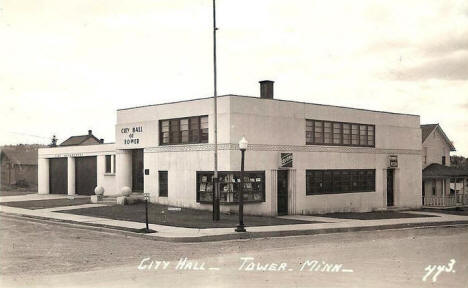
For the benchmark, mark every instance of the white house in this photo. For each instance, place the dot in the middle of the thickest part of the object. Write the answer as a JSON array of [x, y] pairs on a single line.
[[334, 158], [443, 186]]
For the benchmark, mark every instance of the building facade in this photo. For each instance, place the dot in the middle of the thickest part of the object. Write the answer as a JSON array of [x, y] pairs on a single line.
[[443, 186], [302, 158]]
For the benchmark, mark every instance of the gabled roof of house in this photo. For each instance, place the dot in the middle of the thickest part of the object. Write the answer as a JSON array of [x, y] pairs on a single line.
[[437, 170], [80, 139], [427, 129], [20, 156]]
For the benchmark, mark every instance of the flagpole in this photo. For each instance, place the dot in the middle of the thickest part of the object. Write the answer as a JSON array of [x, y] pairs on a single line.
[[215, 101]]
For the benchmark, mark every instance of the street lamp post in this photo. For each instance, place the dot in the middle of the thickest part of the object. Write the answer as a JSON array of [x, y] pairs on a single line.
[[242, 146], [147, 229]]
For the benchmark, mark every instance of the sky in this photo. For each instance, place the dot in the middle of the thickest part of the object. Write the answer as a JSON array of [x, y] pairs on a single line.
[[66, 66]]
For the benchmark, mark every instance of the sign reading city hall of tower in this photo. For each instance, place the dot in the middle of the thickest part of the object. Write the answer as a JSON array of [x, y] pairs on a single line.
[[132, 134], [135, 135]]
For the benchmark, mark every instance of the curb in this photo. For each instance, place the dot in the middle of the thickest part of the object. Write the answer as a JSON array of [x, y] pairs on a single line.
[[240, 236]]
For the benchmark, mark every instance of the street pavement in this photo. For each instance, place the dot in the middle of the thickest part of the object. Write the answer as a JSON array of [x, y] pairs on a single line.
[[45, 254]]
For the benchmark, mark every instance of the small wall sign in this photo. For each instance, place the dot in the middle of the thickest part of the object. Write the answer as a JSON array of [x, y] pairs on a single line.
[[69, 155], [393, 161], [286, 160]]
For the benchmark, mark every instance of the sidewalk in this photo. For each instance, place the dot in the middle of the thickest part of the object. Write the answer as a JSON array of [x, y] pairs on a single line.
[[180, 234]]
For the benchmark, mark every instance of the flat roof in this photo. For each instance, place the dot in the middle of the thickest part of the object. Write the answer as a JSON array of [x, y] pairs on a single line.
[[262, 99]]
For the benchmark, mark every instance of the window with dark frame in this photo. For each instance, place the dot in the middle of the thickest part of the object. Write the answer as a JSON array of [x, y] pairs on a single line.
[[320, 132], [229, 184], [163, 184], [188, 130], [339, 181], [108, 163]]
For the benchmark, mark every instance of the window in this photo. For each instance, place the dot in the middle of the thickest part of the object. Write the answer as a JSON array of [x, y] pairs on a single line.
[[327, 133], [204, 129], [165, 132], [318, 135], [370, 135], [229, 184], [309, 131], [443, 160], [163, 184], [174, 129], [453, 186], [184, 130], [339, 181], [110, 164], [194, 130], [354, 134], [346, 134], [339, 133]]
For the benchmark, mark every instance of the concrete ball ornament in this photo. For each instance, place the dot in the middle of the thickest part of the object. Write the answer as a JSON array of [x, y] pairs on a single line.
[[126, 191], [99, 190]]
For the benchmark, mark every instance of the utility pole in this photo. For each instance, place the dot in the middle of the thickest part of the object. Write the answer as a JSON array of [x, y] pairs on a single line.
[[215, 100]]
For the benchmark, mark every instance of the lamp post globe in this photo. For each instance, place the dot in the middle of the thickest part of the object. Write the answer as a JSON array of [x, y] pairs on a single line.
[[243, 143], [242, 146]]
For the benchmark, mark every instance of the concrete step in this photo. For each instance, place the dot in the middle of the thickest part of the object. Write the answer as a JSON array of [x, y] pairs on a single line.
[[107, 202], [112, 200]]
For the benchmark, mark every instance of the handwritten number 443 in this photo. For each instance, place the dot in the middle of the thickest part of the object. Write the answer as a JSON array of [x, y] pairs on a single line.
[[435, 270]]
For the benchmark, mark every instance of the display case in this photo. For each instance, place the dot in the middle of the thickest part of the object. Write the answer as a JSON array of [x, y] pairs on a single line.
[[229, 184]]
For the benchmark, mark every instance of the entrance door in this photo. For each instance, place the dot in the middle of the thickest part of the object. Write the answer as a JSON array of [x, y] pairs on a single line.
[[85, 175], [58, 176], [390, 184], [137, 170], [282, 192]]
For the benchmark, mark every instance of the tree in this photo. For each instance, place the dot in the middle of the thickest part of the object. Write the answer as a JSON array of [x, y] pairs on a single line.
[[459, 162]]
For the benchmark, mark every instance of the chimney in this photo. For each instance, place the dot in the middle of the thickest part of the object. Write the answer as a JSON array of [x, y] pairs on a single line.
[[101, 141], [90, 132], [266, 89]]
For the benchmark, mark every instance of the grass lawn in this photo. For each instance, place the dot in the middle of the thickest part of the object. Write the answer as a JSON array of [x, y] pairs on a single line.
[[376, 215], [463, 211], [16, 193], [50, 203], [190, 218]]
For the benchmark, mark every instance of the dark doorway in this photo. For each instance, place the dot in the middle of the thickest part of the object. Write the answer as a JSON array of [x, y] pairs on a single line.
[[390, 184], [282, 192], [137, 170], [58, 176], [85, 175]]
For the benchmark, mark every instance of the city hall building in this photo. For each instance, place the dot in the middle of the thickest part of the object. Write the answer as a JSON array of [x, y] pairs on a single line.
[[302, 158]]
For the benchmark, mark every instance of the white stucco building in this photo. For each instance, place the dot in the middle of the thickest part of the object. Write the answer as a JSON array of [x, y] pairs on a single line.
[[343, 159]]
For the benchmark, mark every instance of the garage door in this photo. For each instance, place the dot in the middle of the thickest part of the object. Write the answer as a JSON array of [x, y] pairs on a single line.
[[58, 176], [85, 175]]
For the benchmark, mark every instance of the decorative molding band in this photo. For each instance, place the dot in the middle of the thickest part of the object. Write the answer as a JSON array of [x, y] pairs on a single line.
[[189, 148], [280, 148]]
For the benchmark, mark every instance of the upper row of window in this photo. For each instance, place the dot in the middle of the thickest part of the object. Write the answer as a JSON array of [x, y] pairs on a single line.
[[339, 133], [318, 132], [184, 130]]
